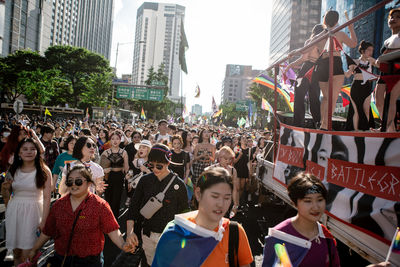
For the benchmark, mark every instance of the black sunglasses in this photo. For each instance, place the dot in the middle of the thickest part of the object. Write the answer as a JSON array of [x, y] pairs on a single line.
[[157, 166], [90, 145], [78, 182]]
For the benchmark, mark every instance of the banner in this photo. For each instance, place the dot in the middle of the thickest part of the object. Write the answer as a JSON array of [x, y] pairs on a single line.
[[360, 170]]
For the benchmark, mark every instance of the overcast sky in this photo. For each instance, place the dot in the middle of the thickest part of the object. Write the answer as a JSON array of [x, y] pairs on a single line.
[[219, 32]]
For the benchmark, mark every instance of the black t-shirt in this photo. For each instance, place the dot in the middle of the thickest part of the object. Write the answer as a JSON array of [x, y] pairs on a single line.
[[182, 158], [175, 201]]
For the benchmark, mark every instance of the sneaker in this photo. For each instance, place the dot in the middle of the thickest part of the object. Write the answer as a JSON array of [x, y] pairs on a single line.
[[9, 255]]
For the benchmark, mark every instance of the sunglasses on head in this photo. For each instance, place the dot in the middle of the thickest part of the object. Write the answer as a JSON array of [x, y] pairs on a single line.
[[157, 166], [78, 182], [90, 145]]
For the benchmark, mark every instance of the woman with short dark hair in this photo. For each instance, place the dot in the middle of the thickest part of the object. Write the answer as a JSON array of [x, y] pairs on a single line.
[[308, 195]]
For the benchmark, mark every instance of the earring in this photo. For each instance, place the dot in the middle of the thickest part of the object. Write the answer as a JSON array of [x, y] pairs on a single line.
[[19, 158]]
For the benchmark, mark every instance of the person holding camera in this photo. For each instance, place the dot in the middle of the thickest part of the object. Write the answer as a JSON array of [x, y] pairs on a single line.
[[159, 195]]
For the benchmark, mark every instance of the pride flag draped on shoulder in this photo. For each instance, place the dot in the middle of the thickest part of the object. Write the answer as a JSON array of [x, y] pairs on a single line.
[[184, 243]]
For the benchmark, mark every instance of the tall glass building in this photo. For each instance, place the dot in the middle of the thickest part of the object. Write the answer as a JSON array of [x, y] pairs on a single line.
[[157, 39], [291, 25]]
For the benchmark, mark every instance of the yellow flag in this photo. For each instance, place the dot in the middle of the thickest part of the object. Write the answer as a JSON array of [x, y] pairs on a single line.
[[47, 112]]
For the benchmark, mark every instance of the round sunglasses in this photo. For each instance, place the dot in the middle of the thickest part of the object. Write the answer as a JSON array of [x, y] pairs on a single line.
[[157, 166], [78, 182], [90, 145]]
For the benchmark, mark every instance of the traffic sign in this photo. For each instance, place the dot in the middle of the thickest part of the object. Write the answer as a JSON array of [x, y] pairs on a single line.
[[18, 106], [157, 83], [142, 93], [124, 91]]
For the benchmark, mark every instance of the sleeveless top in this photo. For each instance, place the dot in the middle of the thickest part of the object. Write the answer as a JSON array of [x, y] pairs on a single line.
[[365, 65], [116, 159]]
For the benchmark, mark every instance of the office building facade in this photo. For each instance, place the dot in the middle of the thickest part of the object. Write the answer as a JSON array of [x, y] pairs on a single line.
[[236, 85], [38, 24], [157, 39], [291, 25], [369, 28], [95, 23], [197, 109], [26, 25]]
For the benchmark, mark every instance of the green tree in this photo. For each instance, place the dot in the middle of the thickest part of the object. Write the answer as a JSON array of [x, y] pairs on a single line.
[[157, 109], [84, 70], [11, 68], [257, 92], [39, 86], [230, 115]]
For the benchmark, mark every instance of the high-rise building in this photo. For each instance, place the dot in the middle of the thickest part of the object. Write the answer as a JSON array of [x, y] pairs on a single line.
[[64, 22], [368, 28], [157, 39], [37, 24], [197, 109], [291, 25], [26, 25], [2, 21], [94, 28], [236, 85]]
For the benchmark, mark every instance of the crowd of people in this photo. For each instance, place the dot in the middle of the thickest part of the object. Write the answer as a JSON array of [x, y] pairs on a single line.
[[182, 184], [313, 77]]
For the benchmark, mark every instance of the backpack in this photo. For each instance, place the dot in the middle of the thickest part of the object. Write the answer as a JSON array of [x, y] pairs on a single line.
[[233, 244]]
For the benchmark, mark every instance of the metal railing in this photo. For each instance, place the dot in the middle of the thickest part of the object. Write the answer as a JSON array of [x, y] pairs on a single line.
[[329, 35]]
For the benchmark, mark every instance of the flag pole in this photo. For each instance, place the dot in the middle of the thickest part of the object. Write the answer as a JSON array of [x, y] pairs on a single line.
[[391, 245]]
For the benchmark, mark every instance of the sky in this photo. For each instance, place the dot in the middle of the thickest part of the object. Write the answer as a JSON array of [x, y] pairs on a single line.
[[219, 32]]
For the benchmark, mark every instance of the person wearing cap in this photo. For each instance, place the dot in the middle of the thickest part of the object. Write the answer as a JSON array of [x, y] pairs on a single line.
[[174, 202], [139, 165], [162, 136]]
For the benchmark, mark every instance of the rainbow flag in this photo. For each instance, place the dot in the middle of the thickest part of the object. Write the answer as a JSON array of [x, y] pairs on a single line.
[[268, 82], [265, 105], [396, 244], [190, 188], [142, 115], [184, 243], [283, 259]]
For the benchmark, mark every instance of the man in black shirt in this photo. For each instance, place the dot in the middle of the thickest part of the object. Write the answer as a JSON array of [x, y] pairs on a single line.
[[174, 202]]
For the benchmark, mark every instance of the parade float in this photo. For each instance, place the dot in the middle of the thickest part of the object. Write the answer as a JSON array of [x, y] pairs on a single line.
[[360, 169]]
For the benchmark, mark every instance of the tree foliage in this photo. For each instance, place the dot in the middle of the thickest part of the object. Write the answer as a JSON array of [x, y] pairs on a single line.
[[85, 71], [65, 74], [156, 109], [230, 115]]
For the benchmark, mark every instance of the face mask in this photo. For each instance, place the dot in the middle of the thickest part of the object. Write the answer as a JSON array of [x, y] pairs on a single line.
[[6, 134]]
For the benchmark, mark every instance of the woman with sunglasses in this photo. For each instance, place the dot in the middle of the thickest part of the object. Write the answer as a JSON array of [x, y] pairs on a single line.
[[80, 245], [117, 166], [84, 150], [205, 232], [150, 185], [30, 180]]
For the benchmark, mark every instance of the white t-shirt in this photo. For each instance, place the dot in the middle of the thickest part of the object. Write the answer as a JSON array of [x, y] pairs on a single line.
[[97, 172], [162, 137]]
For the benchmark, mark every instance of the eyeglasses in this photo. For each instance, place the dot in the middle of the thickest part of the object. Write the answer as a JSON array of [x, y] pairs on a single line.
[[90, 145], [78, 182], [157, 166]]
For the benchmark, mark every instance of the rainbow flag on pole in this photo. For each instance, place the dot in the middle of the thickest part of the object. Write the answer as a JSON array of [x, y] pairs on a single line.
[[265, 105], [142, 115]]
